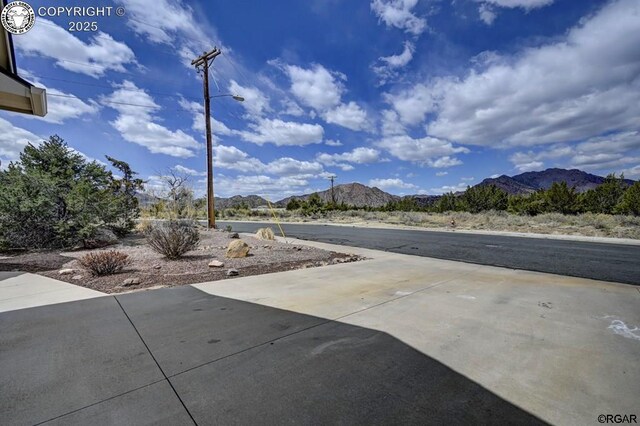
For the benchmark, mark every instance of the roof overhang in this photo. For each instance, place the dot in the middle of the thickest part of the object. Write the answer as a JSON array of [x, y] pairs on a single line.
[[17, 94]]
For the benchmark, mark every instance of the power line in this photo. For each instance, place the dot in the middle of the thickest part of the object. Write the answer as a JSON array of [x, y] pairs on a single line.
[[118, 88]]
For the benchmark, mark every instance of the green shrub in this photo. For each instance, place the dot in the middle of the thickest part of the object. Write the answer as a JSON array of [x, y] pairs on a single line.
[[52, 197], [630, 201], [173, 239], [105, 262]]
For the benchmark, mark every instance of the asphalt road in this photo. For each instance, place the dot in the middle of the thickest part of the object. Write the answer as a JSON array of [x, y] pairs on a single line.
[[600, 261]]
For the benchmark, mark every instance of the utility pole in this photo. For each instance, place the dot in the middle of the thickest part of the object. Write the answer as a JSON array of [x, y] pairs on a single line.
[[333, 197], [205, 60]]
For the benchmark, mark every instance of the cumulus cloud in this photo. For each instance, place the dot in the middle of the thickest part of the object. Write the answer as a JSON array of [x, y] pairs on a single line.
[[611, 152], [387, 67], [391, 183], [524, 4], [398, 13], [282, 133], [256, 103], [350, 115], [100, 54], [315, 87], [217, 127], [487, 14], [271, 188], [322, 90], [137, 124], [13, 140], [442, 174], [331, 142], [360, 155], [426, 151], [571, 89]]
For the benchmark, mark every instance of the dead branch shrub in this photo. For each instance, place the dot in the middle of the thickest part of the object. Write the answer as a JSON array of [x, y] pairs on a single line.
[[105, 262], [173, 239]]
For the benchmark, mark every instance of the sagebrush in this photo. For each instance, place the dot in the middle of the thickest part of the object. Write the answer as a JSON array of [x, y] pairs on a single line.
[[105, 262], [173, 239]]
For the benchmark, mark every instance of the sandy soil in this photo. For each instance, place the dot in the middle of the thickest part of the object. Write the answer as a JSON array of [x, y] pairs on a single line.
[[153, 270]]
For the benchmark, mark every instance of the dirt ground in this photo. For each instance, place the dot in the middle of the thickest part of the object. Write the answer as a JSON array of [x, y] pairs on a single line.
[[153, 270]]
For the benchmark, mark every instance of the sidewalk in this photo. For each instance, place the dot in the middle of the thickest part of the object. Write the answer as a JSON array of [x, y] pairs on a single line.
[[22, 290]]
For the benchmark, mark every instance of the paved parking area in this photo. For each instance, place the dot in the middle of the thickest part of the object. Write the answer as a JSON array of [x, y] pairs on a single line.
[[394, 339], [181, 356]]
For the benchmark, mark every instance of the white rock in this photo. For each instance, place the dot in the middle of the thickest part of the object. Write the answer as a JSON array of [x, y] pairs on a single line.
[[66, 271], [131, 281], [216, 264], [76, 277], [232, 272]]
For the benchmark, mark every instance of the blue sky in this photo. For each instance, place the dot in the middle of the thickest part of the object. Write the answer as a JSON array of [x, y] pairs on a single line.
[[411, 96]]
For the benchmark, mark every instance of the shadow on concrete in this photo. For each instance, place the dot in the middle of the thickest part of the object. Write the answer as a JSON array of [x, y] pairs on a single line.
[[173, 355], [9, 274]]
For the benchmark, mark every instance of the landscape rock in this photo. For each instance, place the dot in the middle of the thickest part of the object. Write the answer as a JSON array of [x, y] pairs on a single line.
[[234, 235], [157, 266], [237, 249], [216, 264], [265, 234], [103, 237], [76, 277], [232, 272], [66, 271], [131, 281]]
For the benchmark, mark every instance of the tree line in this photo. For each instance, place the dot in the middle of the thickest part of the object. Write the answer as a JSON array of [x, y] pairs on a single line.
[[613, 196]]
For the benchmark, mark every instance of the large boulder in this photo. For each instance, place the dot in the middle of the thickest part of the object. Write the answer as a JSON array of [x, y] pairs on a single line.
[[102, 237], [265, 234], [237, 248]]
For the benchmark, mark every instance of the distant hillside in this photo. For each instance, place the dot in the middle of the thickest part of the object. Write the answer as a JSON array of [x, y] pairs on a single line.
[[252, 201], [353, 194], [532, 181]]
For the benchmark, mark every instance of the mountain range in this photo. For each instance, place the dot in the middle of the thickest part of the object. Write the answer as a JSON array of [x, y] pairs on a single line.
[[529, 182], [357, 194]]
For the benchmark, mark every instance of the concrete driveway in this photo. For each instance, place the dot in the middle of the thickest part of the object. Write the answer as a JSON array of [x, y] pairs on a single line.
[[394, 339]]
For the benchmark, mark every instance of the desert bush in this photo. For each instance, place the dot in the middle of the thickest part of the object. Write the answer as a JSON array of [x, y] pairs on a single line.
[[173, 239], [52, 197], [105, 262]]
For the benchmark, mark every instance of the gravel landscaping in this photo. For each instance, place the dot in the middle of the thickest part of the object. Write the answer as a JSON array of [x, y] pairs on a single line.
[[150, 269]]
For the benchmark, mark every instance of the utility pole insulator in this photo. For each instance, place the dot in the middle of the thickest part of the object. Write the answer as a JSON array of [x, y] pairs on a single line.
[[202, 63]]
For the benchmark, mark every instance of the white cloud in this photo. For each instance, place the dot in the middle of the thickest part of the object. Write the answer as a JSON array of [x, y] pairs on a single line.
[[450, 188], [427, 151], [487, 15], [442, 174], [315, 87], [359, 155], [160, 21], [291, 167], [283, 133], [571, 89], [232, 158], [187, 171], [13, 140], [387, 67], [391, 183], [348, 115], [331, 142], [136, 124], [397, 13], [599, 153], [322, 90], [217, 127], [524, 4], [255, 102], [100, 54], [265, 186]]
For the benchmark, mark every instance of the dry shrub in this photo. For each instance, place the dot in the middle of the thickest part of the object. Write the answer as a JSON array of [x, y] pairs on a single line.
[[144, 225], [173, 239], [105, 262]]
